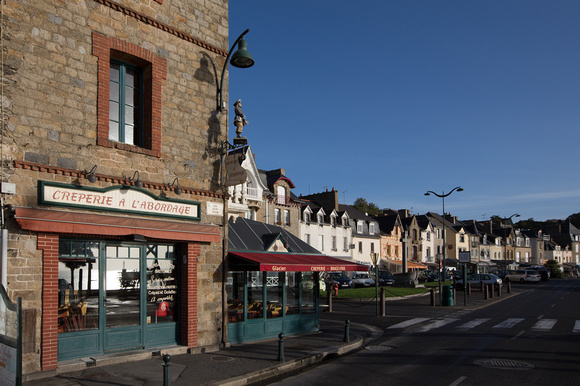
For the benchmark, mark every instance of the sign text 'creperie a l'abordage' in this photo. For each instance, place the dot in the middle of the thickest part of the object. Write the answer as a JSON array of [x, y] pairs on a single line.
[[117, 198]]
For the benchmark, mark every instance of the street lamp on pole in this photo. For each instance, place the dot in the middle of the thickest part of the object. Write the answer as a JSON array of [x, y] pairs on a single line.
[[444, 268], [240, 59]]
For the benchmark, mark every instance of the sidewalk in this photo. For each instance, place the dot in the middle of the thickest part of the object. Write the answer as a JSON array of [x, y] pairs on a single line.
[[249, 362]]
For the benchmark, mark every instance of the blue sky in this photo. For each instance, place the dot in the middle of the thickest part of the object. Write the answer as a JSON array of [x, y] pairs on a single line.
[[388, 99]]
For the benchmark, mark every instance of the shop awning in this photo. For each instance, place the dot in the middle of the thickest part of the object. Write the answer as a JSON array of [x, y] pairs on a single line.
[[410, 264], [288, 262], [57, 221]]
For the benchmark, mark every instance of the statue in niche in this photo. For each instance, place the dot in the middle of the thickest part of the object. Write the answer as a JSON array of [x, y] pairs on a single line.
[[240, 120]]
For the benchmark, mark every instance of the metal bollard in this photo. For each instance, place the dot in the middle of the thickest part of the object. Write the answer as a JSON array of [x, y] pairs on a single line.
[[166, 366], [347, 331], [499, 290], [491, 291], [383, 305], [329, 300], [281, 347], [469, 288], [485, 295], [509, 287], [432, 291]]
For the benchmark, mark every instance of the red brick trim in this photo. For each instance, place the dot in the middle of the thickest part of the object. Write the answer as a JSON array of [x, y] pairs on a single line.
[[106, 178], [48, 243], [102, 47], [164, 27], [189, 296]]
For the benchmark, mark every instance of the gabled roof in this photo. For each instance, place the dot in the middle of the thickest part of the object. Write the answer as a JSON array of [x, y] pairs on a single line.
[[388, 223], [249, 235], [355, 214]]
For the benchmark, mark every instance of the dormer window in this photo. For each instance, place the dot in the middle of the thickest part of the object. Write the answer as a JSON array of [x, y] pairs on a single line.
[[306, 217], [333, 221], [359, 227], [320, 219], [372, 228], [281, 195]]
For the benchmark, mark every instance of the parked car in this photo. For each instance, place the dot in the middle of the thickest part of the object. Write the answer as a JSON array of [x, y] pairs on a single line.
[[544, 273], [386, 278], [477, 278], [523, 276], [339, 278], [362, 279]]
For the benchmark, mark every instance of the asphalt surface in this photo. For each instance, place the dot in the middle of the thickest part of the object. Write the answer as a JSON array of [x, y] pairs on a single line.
[[256, 362]]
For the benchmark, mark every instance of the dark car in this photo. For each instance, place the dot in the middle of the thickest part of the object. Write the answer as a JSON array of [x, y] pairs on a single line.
[[544, 273], [339, 278], [386, 278]]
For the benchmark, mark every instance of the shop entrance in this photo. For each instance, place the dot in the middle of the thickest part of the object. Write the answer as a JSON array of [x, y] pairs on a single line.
[[116, 297]]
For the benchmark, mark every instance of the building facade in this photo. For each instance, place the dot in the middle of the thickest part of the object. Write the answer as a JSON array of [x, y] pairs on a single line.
[[111, 166]]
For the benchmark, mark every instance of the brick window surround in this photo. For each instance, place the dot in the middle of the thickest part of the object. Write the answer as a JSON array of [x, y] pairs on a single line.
[[155, 71], [49, 244]]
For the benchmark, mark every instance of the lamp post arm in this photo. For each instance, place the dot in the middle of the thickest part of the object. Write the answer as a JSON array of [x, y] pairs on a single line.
[[219, 107]]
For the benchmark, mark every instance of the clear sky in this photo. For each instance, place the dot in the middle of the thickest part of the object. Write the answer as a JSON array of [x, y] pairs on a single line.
[[388, 99]]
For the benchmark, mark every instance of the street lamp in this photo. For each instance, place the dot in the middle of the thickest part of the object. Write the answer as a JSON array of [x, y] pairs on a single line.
[[375, 260], [241, 59], [442, 196]]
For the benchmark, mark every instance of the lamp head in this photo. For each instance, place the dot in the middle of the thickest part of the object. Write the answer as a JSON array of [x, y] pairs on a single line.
[[460, 189], [427, 194], [242, 57]]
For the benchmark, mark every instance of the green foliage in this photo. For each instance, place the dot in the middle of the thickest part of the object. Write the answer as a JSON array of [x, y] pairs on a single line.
[[555, 271], [370, 292], [574, 219], [365, 207], [530, 224]]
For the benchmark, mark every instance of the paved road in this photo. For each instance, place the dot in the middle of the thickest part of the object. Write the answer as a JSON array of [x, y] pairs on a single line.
[[532, 338]]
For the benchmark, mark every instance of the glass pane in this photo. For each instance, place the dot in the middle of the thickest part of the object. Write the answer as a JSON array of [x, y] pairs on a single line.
[[275, 293], [131, 77], [292, 293], [308, 302], [113, 131], [129, 133], [129, 115], [78, 294], [114, 91], [129, 96], [161, 290], [122, 283], [255, 295], [114, 72], [235, 291]]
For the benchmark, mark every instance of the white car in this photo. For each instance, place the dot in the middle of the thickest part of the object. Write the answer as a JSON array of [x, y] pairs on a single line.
[[477, 278], [523, 276], [362, 280]]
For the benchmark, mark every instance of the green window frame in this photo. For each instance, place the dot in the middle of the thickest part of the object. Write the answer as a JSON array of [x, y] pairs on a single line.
[[126, 104]]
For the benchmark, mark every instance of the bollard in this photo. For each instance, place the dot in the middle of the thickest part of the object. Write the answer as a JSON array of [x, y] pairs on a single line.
[[509, 287], [432, 291], [469, 288], [347, 331], [485, 295], [329, 300], [498, 290], [491, 291], [281, 347], [166, 366], [383, 305]]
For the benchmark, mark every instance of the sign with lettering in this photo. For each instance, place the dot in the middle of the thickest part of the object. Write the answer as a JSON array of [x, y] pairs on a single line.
[[116, 199], [235, 168]]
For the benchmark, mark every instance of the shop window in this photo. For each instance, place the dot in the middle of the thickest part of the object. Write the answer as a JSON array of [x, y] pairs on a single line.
[[161, 284], [235, 290], [308, 298], [78, 286], [255, 295], [275, 294], [292, 293]]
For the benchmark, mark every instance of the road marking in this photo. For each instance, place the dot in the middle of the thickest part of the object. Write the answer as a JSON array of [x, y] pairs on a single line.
[[408, 323], [436, 324], [544, 324], [458, 381], [576, 326], [518, 335], [509, 323], [474, 323]]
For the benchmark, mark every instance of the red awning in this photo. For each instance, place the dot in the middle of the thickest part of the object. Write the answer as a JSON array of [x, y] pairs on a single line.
[[410, 264], [288, 262], [57, 221]]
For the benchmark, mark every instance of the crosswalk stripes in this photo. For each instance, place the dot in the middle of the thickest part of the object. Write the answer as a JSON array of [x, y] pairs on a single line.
[[428, 324]]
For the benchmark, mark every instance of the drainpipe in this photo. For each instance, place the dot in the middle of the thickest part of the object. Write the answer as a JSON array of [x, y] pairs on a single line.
[[4, 266]]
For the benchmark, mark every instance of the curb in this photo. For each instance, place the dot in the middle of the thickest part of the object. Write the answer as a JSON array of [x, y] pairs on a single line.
[[313, 358]]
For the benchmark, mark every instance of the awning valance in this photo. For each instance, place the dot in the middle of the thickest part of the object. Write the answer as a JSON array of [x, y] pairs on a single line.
[[57, 221], [288, 262]]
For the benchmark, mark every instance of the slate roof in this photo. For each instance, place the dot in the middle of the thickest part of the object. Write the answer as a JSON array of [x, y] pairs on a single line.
[[249, 235]]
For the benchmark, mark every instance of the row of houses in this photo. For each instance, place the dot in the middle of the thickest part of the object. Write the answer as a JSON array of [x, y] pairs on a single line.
[[341, 231]]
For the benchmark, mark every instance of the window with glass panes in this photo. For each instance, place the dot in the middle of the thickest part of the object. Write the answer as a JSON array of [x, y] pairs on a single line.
[[125, 104]]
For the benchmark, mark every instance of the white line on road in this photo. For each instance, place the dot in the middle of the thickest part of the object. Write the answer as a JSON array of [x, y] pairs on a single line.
[[436, 324], [408, 323], [458, 381], [509, 323], [473, 323], [544, 324]]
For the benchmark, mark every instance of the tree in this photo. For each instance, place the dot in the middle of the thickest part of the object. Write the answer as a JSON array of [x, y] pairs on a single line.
[[365, 207], [555, 271]]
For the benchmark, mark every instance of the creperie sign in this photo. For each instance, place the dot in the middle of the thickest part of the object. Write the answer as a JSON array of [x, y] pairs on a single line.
[[117, 198]]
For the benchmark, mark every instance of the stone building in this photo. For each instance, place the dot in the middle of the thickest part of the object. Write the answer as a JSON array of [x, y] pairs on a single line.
[[111, 194]]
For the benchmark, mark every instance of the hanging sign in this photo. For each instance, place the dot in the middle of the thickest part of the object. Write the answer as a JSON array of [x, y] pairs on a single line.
[[235, 168], [116, 199]]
